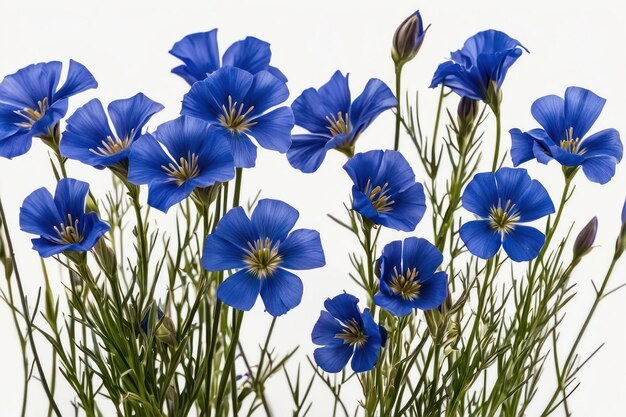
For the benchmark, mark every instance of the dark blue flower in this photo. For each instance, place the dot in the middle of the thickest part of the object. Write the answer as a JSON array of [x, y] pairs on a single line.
[[237, 103], [385, 190], [477, 70], [409, 277], [262, 248], [89, 139], [565, 123], [61, 221], [345, 332], [504, 200], [183, 154], [333, 120], [31, 104], [200, 55]]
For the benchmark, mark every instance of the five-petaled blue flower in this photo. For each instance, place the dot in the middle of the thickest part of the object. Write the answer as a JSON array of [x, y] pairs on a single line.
[[385, 190], [89, 139], [31, 104], [200, 55], [333, 120], [409, 277], [262, 248], [182, 155], [565, 122], [345, 332], [477, 70], [504, 200], [237, 103], [61, 221]]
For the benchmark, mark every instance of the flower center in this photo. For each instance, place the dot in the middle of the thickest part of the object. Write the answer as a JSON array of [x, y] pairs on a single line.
[[379, 196], [68, 232], [183, 170], [112, 145], [262, 257], [571, 144], [32, 115], [234, 118], [338, 124], [503, 219], [352, 334], [407, 286]]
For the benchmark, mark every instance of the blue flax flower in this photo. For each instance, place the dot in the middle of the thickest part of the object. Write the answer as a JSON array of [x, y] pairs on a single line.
[[565, 123], [237, 103], [61, 221], [345, 332], [183, 154], [333, 120], [31, 104], [262, 248], [477, 70], [409, 277], [504, 200], [89, 139], [385, 190], [200, 55]]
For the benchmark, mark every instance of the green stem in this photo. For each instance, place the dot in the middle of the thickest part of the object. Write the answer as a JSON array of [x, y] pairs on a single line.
[[496, 154], [26, 315], [396, 143], [236, 197], [237, 319], [141, 239]]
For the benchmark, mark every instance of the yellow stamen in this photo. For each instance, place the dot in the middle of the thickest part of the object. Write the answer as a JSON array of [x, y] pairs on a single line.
[[352, 334], [68, 232], [339, 124], [262, 257], [112, 145], [379, 197], [407, 286], [234, 118], [32, 115], [185, 169]]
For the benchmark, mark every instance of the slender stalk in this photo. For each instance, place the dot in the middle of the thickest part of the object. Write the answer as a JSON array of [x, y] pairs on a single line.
[[26, 315], [496, 154], [236, 197], [396, 143], [437, 119]]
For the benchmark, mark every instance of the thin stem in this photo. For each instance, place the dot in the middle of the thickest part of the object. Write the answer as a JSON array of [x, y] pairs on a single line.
[[26, 314], [396, 143], [236, 197], [496, 154]]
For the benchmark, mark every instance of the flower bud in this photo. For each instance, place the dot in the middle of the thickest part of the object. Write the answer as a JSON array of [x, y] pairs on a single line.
[[467, 111], [164, 330], [585, 239], [620, 245], [105, 256], [408, 39]]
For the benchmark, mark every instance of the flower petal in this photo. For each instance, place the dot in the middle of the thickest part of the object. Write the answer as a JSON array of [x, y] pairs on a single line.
[[39, 214], [302, 250], [130, 115], [344, 308], [78, 80], [265, 92], [433, 291], [235, 227], [481, 240], [307, 152], [605, 142], [332, 358], [273, 129], [582, 108], [534, 203], [250, 54], [220, 255], [200, 53], [146, 159], [599, 169], [70, 197], [240, 290], [325, 330], [523, 243], [375, 99], [273, 219], [281, 292], [549, 111], [420, 254], [481, 194], [244, 151]]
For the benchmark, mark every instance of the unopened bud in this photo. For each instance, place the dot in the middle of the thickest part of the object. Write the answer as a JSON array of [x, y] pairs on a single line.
[[620, 245], [585, 239], [164, 330], [105, 256], [467, 111], [408, 39]]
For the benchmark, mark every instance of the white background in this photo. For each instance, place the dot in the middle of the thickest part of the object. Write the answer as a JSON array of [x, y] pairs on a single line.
[[125, 45]]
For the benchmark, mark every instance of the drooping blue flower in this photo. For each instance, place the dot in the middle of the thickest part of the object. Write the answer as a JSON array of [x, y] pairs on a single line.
[[409, 277], [385, 190], [89, 139], [334, 120], [238, 104], [61, 221], [262, 249], [565, 123], [31, 104], [477, 70], [503, 201], [183, 154], [200, 55], [344, 332]]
